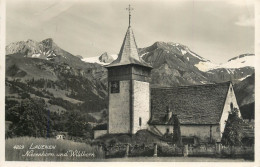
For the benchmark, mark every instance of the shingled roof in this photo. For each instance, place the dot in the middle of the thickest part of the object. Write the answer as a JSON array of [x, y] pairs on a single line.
[[129, 53], [200, 104], [248, 131]]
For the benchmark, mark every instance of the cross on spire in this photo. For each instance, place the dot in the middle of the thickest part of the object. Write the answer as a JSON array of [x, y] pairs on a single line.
[[129, 10]]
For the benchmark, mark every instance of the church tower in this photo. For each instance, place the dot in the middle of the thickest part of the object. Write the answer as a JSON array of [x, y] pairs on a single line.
[[128, 88]]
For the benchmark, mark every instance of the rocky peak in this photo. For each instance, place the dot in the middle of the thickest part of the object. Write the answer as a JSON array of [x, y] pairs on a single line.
[[105, 58], [47, 44]]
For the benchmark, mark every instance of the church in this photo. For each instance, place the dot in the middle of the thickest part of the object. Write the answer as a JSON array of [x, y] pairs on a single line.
[[133, 105]]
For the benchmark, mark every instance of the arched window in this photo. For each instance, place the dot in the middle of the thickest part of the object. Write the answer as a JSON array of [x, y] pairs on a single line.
[[140, 121], [231, 106]]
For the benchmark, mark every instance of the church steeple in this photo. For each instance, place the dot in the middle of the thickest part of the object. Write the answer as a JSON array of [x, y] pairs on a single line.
[[129, 52], [128, 88], [129, 9]]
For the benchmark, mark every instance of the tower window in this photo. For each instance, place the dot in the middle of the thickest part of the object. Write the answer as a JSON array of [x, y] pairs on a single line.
[[167, 130], [114, 87], [140, 121], [231, 106]]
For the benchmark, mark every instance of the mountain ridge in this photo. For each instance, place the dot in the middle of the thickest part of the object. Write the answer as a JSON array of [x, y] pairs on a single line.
[[173, 64]]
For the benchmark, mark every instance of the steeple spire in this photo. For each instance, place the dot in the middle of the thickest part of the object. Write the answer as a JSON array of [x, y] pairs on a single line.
[[129, 52], [129, 10]]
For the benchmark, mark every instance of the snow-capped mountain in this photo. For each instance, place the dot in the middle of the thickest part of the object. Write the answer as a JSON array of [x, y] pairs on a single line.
[[48, 50], [173, 64], [245, 60], [45, 49], [104, 59], [62, 79]]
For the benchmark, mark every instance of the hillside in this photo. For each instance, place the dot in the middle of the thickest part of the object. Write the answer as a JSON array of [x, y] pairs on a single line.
[[43, 70], [67, 82], [245, 93]]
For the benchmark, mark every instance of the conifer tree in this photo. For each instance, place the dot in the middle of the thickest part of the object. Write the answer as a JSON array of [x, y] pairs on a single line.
[[233, 133]]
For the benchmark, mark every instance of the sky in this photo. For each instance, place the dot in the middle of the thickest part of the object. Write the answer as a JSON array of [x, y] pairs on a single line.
[[215, 29]]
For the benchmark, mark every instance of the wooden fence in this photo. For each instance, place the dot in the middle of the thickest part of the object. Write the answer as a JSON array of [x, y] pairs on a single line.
[[165, 150]]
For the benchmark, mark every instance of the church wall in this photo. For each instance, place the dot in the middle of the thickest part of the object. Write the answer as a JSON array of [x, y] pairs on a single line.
[[141, 105], [119, 116], [200, 131], [98, 133], [231, 98]]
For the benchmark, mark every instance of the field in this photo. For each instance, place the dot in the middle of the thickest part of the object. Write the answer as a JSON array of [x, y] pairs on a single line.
[[41, 149]]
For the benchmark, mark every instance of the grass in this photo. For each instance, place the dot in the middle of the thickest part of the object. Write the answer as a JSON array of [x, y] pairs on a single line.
[[86, 152]]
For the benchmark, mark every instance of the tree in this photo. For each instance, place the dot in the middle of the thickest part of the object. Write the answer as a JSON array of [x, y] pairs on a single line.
[[76, 124], [233, 133], [30, 118], [176, 131]]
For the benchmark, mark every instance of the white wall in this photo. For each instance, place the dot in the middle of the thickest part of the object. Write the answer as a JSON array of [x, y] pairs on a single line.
[[200, 131], [230, 98], [141, 105], [98, 133], [119, 116]]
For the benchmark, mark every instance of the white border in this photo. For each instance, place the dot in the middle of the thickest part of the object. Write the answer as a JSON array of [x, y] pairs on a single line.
[[256, 163]]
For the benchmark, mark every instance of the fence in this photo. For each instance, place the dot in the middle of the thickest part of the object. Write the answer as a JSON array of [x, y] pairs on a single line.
[[166, 150]]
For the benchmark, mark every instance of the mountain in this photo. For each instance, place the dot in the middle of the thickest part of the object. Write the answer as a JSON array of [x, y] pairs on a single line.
[[236, 69], [64, 81], [104, 59], [241, 61], [175, 64], [245, 93], [47, 50], [67, 82], [245, 90], [79, 56]]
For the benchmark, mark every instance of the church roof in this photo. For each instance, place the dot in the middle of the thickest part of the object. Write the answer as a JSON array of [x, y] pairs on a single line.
[[129, 53], [200, 104], [248, 130]]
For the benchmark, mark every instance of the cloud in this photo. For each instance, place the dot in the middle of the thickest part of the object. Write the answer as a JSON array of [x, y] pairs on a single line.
[[245, 21]]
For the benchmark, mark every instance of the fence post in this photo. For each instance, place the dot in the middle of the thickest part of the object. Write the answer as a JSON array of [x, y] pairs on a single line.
[[100, 147], [218, 148], [155, 150], [127, 150], [186, 150]]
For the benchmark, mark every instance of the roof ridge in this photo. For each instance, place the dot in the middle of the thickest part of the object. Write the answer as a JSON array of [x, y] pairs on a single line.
[[189, 86]]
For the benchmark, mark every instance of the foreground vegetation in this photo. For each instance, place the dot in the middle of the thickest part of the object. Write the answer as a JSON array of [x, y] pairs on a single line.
[[40, 149], [31, 118]]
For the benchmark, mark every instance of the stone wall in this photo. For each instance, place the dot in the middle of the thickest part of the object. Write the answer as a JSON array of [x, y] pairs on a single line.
[[141, 105], [119, 115]]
